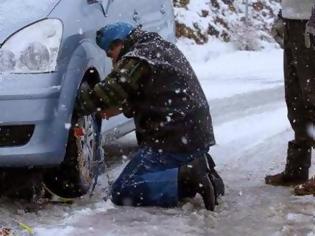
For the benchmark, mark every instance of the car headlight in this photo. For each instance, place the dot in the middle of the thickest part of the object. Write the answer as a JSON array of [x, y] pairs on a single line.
[[33, 49]]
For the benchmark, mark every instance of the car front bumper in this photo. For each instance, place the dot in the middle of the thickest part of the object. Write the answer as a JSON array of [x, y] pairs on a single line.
[[30, 105]]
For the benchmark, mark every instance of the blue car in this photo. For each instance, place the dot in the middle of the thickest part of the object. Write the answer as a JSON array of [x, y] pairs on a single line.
[[47, 51]]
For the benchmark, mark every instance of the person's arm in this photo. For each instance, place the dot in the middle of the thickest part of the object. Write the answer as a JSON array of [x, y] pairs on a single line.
[[113, 92]]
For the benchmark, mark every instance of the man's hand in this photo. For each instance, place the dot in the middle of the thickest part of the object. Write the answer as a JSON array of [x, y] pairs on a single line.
[[277, 30], [86, 102]]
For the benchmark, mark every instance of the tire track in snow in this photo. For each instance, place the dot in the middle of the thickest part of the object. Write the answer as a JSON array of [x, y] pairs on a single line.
[[241, 105], [245, 120], [236, 136]]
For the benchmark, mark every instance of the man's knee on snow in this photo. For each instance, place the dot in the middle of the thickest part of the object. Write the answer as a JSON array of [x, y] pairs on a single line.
[[120, 196], [116, 193]]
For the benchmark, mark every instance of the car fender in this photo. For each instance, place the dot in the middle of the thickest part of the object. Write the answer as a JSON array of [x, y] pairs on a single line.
[[84, 57]]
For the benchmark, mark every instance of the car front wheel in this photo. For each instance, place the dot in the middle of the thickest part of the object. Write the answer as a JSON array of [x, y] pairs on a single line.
[[74, 177]]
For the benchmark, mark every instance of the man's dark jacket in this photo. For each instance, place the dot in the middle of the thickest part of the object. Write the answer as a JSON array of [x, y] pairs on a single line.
[[170, 110]]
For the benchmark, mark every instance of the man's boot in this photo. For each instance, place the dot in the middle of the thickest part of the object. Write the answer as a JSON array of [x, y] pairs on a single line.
[[307, 188], [194, 178], [297, 167], [217, 181]]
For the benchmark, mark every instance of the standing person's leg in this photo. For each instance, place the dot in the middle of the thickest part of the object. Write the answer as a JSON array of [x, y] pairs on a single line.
[[297, 73], [301, 114], [309, 92]]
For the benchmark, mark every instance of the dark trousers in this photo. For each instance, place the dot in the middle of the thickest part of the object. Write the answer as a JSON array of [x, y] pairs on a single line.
[[299, 71], [150, 179]]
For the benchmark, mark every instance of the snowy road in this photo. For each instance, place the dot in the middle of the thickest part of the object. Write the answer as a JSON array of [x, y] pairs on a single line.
[[245, 92]]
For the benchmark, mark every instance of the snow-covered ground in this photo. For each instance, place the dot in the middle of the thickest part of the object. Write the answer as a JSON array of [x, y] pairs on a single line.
[[245, 92]]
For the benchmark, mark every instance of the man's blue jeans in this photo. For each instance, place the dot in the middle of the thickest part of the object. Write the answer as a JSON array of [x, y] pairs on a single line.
[[150, 179]]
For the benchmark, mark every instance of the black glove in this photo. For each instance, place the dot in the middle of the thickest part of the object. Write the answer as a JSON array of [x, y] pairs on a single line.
[[127, 110], [86, 102], [217, 181], [277, 30]]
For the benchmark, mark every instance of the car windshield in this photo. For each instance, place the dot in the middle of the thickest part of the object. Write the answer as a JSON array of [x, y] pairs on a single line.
[[15, 12]]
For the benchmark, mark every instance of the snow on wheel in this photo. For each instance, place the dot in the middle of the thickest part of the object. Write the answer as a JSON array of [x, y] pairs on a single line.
[[74, 177]]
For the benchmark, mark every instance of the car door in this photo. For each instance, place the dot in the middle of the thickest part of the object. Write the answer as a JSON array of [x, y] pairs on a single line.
[[118, 10], [148, 13], [168, 28], [155, 15], [117, 126], [136, 12]]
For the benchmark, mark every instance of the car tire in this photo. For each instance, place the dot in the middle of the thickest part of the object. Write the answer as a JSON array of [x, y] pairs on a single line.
[[74, 177]]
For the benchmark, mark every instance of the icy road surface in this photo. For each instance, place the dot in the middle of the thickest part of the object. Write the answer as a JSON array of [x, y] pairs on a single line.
[[245, 92]]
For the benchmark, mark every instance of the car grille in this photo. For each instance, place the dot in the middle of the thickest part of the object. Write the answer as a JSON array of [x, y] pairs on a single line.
[[11, 136]]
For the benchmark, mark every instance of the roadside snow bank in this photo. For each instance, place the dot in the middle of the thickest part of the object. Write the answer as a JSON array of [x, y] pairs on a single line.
[[204, 20], [224, 71]]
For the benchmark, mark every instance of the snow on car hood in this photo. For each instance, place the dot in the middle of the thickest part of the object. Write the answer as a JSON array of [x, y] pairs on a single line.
[[15, 14]]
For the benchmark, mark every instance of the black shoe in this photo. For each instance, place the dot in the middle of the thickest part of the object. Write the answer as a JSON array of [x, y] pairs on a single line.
[[215, 178], [194, 178], [297, 167], [282, 179], [218, 184], [206, 190]]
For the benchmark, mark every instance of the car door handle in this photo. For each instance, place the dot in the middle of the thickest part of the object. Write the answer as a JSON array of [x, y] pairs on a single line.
[[105, 6], [92, 1], [136, 16]]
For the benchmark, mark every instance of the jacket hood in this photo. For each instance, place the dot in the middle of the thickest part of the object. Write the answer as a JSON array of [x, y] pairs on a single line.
[[16, 14]]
